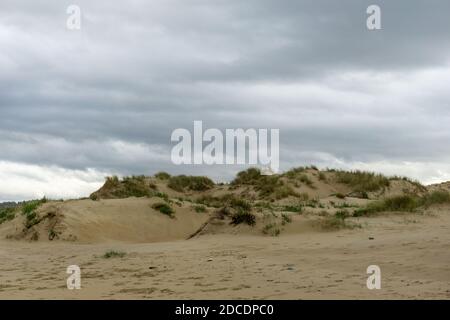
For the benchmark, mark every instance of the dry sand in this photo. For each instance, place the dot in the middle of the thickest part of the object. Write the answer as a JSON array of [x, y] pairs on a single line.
[[412, 250]]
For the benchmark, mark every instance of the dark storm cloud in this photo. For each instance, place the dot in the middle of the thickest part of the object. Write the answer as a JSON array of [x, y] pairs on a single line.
[[109, 95]]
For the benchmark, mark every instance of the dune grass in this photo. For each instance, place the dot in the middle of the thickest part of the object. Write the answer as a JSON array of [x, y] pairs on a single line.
[[199, 208], [241, 212], [267, 186], [404, 203], [251, 176], [164, 208], [194, 183], [362, 180], [7, 214], [162, 175], [113, 254], [133, 186], [285, 218], [337, 221], [294, 208], [29, 211], [271, 229]]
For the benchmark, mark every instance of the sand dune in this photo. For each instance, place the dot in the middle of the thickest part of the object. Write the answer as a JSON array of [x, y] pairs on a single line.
[[412, 252], [294, 238]]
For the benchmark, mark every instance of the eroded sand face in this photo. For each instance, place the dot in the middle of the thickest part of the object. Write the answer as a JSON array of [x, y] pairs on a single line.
[[413, 252]]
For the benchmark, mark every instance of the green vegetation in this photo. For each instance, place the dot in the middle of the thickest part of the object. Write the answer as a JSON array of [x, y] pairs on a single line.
[[164, 208], [243, 217], [404, 203], [162, 175], [313, 203], [134, 186], [195, 183], [337, 221], [250, 176], [344, 205], [299, 173], [322, 176], [361, 180], [436, 197], [342, 214], [114, 254], [242, 212], [267, 186], [284, 191], [211, 201], [199, 208], [52, 234], [292, 173], [285, 218], [293, 208], [7, 214], [416, 183], [306, 180], [29, 211], [271, 229], [162, 195]]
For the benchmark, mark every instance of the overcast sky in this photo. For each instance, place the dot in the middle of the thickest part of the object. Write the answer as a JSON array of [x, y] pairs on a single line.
[[77, 105]]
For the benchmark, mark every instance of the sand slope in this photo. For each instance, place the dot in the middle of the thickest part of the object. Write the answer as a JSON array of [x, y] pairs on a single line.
[[412, 251], [127, 220]]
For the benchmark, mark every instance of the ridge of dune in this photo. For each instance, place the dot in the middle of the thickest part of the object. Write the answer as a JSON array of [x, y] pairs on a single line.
[[122, 210]]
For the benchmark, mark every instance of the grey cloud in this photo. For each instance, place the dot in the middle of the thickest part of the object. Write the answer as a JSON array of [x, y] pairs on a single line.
[[135, 72]]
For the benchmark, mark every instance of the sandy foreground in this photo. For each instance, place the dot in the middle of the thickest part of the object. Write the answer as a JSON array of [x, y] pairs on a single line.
[[412, 250]]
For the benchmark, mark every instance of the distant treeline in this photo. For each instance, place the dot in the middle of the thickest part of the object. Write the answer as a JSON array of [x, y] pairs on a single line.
[[9, 204]]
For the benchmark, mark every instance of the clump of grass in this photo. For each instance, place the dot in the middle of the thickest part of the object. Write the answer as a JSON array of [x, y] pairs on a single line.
[[250, 176], [342, 214], [133, 186], [344, 205], [303, 196], [313, 203], [164, 208], [322, 176], [271, 229], [195, 183], [7, 214], [113, 254], [306, 180], [334, 223], [299, 173], [436, 197], [264, 205], [404, 203], [337, 221], [292, 173], [267, 186], [294, 208], [162, 175], [242, 212], [242, 216], [136, 186], [29, 211], [211, 201], [362, 180], [199, 208], [162, 195], [52, 234], [284, 191], [285, 218], [415, 183]]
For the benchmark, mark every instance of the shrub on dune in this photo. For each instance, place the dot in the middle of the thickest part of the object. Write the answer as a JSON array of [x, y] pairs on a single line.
[[195, 183]]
